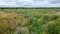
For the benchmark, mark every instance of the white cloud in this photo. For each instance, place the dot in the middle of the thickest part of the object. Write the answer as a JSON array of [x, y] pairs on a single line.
[[27, 3]]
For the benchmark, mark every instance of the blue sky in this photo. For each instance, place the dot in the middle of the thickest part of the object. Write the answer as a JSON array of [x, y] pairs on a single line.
[[29, 3]]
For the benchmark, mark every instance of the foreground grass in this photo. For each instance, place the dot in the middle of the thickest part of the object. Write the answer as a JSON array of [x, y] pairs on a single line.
[[30, 21]]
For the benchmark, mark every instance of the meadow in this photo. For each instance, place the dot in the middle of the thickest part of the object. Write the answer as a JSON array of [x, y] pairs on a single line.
[[29, 21]]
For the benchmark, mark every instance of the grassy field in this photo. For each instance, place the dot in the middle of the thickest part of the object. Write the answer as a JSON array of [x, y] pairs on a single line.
[[29, 21]]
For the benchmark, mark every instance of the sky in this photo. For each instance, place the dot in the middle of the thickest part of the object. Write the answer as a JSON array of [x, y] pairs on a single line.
[[29, 3]]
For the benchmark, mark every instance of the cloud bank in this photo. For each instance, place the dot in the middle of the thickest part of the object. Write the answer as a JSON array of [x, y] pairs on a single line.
[[29, 3]]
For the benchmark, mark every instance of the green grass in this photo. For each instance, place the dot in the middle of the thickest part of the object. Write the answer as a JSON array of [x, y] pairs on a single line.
[[30, 21]]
